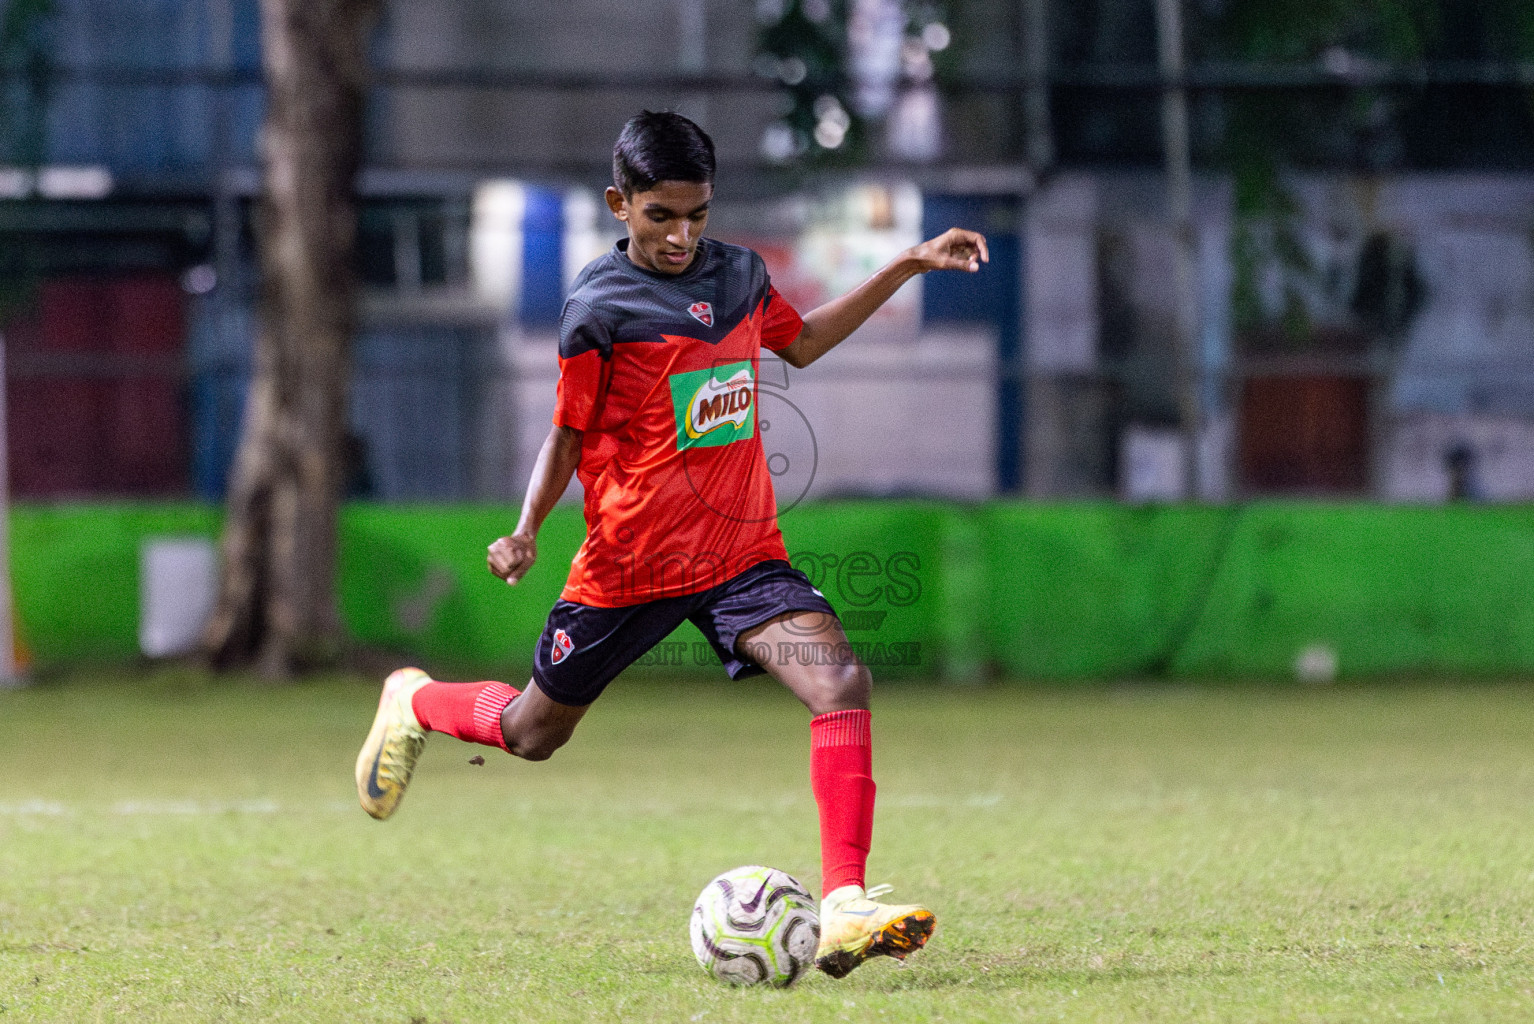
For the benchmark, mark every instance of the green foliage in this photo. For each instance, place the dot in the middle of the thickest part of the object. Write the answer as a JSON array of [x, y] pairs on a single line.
[[177, 848], [1266, 233], [1511, 30], [26, 65], [1300, 30], [805, 48], [25, 60], [804, 45], [1267, 130]]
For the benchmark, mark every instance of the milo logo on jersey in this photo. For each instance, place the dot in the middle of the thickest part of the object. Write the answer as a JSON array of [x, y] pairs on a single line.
[[713, 407]]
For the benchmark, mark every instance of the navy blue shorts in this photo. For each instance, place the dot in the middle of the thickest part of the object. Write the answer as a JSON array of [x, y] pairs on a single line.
[[583, 648]]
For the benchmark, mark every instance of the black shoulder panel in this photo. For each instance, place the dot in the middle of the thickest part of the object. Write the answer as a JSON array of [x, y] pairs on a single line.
[[638, 306], [581, 330], [581, 325]]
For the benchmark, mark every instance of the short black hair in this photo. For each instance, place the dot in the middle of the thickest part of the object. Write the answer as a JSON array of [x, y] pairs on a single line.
[[656, 147]]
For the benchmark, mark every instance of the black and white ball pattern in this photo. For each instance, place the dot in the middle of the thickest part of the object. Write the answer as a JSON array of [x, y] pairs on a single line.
[[755, 926]]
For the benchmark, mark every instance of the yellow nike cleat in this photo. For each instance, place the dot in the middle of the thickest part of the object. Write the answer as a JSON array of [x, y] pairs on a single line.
[[853, 928], [388, 757]]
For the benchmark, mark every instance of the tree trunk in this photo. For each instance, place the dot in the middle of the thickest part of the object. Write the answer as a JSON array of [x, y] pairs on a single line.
[[276, 603]]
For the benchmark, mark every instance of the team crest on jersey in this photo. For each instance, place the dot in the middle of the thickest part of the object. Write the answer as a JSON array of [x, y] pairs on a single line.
[[563, 647], [716, 406], [703, 312]]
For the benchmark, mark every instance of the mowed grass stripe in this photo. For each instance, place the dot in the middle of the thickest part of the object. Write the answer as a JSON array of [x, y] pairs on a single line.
[[177, 848]]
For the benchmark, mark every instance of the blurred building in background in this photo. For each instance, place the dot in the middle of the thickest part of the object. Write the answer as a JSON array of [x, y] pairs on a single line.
[[1362, 236]]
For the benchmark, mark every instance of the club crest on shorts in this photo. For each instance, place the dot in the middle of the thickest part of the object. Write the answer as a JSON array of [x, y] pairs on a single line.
[[703, 313], [563, 646]]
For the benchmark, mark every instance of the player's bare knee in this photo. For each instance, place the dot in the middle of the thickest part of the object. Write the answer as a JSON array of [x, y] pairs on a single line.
[[841, 687], [854, 684]]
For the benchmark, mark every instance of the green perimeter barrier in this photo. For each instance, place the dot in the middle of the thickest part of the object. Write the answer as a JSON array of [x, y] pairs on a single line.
[[74, 573], [1100, 590], [1050, 591], [414, 580]]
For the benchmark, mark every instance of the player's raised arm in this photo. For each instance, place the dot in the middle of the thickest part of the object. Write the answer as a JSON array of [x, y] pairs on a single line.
[[511, 556], [826, 326]]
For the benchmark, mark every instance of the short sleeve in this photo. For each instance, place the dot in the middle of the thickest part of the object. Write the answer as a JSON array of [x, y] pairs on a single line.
[[781, 323], [585, 369]]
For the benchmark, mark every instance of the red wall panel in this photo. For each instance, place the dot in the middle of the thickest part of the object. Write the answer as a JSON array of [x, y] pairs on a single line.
[[94, 389]]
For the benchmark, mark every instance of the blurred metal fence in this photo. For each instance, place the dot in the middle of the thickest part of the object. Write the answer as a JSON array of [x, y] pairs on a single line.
[[448, 413]]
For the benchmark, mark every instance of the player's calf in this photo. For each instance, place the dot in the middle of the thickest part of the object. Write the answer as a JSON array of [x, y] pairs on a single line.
[[534, 725], [470, 711], [540, 749]]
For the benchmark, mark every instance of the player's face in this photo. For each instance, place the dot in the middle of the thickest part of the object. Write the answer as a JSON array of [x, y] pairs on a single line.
[[664, 223]]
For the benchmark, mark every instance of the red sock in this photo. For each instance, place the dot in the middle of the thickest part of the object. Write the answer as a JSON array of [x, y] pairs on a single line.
[[841, 774], [470, 711]]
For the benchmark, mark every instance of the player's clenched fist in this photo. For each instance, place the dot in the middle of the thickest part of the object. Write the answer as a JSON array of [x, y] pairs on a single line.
[[511, 557]]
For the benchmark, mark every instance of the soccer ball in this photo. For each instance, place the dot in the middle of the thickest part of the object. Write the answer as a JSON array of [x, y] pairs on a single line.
[[755, 926]]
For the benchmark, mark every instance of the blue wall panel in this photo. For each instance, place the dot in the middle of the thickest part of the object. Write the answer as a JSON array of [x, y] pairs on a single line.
[[994, 296], [543, 238]]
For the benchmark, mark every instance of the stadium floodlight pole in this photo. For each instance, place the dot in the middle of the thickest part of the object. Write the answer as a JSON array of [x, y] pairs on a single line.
[[8, 673], [1179, 189]]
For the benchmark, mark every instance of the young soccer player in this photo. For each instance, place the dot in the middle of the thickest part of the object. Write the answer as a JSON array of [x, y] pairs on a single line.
[[656, 411]]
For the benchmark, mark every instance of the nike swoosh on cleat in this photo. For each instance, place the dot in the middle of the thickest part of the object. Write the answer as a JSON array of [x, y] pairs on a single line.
[[860, 913], [373, 790]]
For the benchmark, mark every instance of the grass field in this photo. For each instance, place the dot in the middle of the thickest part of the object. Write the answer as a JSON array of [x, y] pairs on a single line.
[[179, 849]]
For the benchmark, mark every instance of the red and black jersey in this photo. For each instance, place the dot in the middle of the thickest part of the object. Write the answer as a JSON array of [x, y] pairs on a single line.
[[660, 371]]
